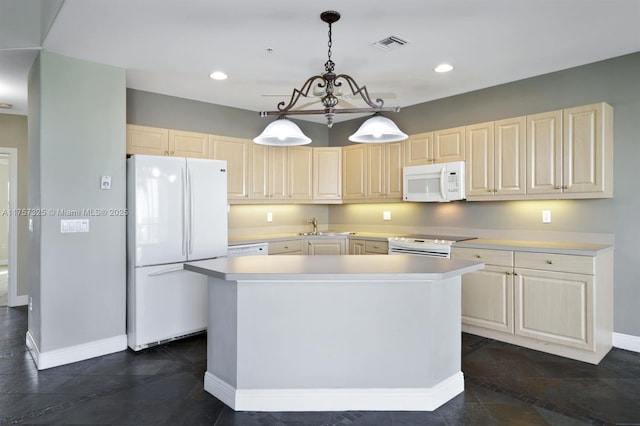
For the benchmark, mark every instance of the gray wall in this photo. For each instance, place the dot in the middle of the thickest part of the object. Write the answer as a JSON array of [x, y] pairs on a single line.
[[77, 133], [156, 110], [614, 81], [13, 134]]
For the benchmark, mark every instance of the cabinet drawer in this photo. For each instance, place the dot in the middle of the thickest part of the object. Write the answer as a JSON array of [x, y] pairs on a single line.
[[284, 247], [489, 257], [380, 247], [555, 262]]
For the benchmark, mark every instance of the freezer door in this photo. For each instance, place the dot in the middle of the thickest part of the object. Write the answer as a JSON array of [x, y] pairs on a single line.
[[159, 209], [163, 303], [207, 202]]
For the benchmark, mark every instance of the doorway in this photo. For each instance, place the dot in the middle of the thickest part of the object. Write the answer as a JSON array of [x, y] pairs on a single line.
[[8, 227]]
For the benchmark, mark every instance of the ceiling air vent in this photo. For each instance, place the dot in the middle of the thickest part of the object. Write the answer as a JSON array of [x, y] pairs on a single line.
[[390, 43]]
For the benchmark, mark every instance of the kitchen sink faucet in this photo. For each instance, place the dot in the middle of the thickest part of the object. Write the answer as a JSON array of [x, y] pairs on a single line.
[[315, 225]]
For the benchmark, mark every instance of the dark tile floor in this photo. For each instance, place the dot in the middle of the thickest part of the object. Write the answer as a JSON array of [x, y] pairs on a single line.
[[505, 385]]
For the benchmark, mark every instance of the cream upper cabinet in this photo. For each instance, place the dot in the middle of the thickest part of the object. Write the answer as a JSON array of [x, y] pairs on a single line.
[[495, 163], [327, 174], [300, 175], [188, 144], [384, 171], [570, 152], [237, 153], [544, 153], [449, 145], [354, 172], [588, 150], [269, 173], [147, 140], [418, 149]]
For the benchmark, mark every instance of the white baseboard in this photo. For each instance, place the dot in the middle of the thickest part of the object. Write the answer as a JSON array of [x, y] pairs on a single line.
[[20, 301], [75, 353], [339, 399], [626, 341]]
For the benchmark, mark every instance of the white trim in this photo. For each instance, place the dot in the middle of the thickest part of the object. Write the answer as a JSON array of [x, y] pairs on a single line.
[[626, 341], [12, 263], [339, 399], [75, 353]]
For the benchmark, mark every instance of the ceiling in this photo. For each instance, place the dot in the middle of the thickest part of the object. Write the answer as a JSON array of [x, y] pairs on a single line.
[[171, 46]]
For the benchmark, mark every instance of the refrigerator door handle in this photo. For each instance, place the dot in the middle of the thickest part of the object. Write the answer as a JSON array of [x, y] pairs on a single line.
[[190, 233], [167, 271], [184, 213]]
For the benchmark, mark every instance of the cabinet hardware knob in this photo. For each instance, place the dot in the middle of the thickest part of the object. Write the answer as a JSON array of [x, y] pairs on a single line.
[[172, 152], [478, 256], [286, 247], [166, 153], [489, 190], [565, 187], [550, 262], [246, 195], [515, 273], [508, 273], [557, 187]]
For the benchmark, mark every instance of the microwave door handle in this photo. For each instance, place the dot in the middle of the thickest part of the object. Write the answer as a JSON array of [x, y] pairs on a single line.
[[442, 173]]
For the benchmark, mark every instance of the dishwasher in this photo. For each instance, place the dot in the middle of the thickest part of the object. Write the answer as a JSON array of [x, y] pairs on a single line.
[[254, 249]]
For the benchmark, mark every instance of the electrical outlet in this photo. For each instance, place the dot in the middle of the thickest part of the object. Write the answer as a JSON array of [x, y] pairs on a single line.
[[546, 216], [269, 217], [386, 215]]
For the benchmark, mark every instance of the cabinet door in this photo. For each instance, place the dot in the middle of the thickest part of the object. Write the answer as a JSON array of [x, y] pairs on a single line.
[[259, 184], [236, 153], [555, 307], [544, 153], [480, 160], [448, 145], [509, 156], [188, 144], [487, 298], [394, 162], [278, 173], [354, 172], [418, 149], [586, 148], [376, 247], [356, 246], [147, 140], [325, 246], [300, 175], [287, 247], [376, 171], [327, 173]]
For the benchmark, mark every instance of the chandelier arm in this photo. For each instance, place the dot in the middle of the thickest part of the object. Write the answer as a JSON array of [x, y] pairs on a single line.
[[362, 91], [332, 111], [295, 95]]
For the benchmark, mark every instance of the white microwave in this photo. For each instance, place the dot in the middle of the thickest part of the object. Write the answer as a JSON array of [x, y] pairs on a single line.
[[434, 182]]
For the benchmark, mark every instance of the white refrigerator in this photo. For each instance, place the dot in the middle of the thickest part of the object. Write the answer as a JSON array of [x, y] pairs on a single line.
[[177, 213]]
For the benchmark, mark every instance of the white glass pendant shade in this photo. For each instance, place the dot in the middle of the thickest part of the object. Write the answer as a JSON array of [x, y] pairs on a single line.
[[282, 132], [378, 129]]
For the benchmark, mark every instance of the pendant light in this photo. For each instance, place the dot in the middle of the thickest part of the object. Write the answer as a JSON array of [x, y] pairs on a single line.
[[377, 129], [282, 132]]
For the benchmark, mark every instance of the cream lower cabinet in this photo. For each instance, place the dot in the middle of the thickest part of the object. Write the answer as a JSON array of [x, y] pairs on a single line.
[[287, 247], [360, 246], [561, 304], [323, 246]]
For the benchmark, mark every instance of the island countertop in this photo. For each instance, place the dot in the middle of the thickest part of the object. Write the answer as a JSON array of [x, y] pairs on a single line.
[[329, 267]]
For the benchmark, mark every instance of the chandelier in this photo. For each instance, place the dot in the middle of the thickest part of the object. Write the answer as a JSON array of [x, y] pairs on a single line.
[[377, 129]]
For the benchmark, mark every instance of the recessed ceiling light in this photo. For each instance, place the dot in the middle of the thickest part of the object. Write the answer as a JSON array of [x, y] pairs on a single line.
[[218, 75], [5, 105], [443, 68]]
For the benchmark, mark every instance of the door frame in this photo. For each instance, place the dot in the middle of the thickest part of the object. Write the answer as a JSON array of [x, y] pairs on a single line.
[[13, 298]]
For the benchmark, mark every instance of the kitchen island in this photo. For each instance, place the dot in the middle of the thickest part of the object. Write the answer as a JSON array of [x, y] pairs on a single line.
[[324, 333]]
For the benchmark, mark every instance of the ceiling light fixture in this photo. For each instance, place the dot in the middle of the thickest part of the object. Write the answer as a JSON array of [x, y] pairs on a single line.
[[375, 129], [443, 68], [218, 75]]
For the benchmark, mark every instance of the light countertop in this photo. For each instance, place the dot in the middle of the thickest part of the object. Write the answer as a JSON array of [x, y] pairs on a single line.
[[555, 247], [333, 267]]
